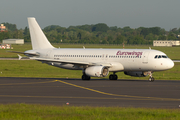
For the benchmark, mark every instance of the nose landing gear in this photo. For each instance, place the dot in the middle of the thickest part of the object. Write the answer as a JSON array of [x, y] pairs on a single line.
[[151, 78]]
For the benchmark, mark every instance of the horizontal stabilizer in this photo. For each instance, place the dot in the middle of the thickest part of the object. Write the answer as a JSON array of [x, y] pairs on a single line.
[[25, 53], [22, 58]]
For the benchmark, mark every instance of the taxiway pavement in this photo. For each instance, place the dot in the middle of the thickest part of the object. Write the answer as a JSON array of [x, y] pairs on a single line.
[[121, 93]]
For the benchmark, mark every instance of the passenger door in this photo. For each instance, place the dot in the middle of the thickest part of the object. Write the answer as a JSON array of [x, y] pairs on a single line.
[[145, 57]]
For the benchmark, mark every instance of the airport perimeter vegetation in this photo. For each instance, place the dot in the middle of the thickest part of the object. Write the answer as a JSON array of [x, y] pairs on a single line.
[[31, 68]]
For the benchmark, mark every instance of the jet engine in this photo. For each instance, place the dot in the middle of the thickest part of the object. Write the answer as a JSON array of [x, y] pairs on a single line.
[[97, 71], [136, 74]]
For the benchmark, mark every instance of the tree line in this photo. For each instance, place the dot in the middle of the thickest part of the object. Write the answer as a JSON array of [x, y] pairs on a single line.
[[95, 34]]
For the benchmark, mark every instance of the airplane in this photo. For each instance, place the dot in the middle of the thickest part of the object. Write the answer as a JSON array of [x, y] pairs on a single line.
[[96, 62]]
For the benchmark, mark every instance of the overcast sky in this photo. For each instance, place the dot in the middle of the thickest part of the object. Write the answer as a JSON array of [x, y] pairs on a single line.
[[120, 13]]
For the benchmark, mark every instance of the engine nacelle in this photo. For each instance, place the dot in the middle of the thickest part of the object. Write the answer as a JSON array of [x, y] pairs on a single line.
[[97, 71], [136, 74]]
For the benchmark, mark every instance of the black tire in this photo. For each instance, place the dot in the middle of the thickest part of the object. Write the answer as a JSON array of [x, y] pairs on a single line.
[[111, 77], [151, 79], [115, 77], [85, 77], [88, 78]]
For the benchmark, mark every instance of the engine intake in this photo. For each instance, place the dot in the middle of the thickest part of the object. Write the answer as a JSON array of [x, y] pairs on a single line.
[[97, 71]]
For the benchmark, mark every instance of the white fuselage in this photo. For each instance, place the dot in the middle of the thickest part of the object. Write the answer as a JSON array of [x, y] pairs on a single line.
[[120, 59]]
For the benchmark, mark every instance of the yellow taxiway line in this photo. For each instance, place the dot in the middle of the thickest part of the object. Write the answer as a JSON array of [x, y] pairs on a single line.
[[127, 96]]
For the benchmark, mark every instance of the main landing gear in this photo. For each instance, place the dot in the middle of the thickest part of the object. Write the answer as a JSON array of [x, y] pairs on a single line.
[[151, 78], [113, 77], [85, 77]]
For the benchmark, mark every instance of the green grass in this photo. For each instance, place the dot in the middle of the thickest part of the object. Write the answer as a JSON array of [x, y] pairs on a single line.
[[32, 68], [46, 112]]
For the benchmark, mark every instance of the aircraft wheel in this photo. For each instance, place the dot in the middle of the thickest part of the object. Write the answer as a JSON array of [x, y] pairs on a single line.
[[113, 77], [151, 79], [85, 77], [88, 77]]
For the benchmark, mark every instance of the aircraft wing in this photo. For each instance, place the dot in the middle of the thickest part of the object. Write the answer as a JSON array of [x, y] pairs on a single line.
[[71, 62], [176, 60]]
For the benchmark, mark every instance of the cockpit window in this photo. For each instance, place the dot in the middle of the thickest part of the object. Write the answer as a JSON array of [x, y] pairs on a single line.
[[163, 56], [160, 56]]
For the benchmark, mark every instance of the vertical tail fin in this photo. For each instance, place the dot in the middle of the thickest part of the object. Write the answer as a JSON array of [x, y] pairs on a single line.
[[38, 38]]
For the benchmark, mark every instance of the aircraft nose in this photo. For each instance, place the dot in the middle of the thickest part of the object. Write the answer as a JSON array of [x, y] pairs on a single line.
[[170, 64]]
